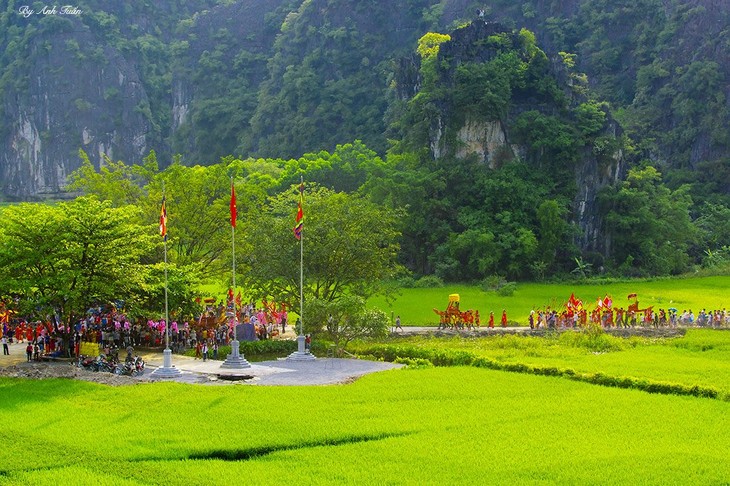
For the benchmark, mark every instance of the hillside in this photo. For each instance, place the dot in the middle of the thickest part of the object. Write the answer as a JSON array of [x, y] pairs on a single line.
[[603, 88], [279, 78]]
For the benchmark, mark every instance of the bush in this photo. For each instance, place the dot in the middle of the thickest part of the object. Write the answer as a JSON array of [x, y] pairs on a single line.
[[415, 363], [500, 285], [493, 282], [429, 282], [257, 348], [507, 290], [407, 282]]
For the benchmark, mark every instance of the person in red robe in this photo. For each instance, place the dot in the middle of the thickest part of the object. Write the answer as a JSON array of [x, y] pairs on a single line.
[[491, 319], [504, 318]]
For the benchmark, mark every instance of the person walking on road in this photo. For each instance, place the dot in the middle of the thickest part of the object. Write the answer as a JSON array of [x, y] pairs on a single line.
[[6, 351], [398, 324]]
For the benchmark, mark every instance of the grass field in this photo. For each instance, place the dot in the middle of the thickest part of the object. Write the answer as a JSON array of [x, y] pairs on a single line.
[[454, 425], [424, 426], [415, 306]]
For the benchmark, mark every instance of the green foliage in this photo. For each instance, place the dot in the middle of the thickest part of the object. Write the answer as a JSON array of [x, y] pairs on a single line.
[[590, 118], [429, 43], [254, 350], [344, 320], [582, 268], [350, 243], [428, 282], [414, 363], [115, 181], [553, 231], [310, 76], [642, 205], [548, 134], [482, 90], [197, 200], [466, 256], [67, 258], [327, 77], [507, 290]]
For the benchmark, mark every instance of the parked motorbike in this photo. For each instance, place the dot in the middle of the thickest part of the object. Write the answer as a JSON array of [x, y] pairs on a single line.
[[133, 366]]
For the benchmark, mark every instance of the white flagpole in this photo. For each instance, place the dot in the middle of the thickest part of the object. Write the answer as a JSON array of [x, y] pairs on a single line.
[[167, 370], [301, 268], [301, 354], [167, 313], [234, 358], [233, 248]]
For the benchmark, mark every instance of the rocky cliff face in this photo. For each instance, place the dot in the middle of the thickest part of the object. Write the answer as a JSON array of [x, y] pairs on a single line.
[[69, 101]]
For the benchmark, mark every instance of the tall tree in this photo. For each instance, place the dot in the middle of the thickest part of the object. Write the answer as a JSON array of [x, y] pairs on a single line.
[[350, 247], [64, 259], [649, 224]]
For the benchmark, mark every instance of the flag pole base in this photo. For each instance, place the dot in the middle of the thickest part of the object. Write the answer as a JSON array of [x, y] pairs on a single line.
[[167, 370], [301, 354], [234, 360]]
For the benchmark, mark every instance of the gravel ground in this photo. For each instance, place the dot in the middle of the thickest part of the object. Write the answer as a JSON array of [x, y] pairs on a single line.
[[41, 370]]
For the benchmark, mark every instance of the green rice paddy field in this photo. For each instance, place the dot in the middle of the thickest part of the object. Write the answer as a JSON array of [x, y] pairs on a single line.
[[455, 425], [415, 306]]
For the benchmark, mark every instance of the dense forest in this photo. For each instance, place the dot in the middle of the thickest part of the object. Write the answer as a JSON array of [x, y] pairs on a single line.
[[514, 140]]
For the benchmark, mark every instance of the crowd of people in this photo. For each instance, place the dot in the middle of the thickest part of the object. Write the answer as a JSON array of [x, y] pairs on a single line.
[[109, 330]]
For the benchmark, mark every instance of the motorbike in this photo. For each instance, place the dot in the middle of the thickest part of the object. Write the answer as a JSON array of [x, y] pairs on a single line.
[[133, 366]]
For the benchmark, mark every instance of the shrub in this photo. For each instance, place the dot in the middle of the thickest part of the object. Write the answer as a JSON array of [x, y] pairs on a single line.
[[407, 282], [429, 282], [257, 348], [493, 282], [415, 363], [507, 290]]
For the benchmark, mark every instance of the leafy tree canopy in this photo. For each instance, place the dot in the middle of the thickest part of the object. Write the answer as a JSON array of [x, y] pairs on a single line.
[[350, 247], [67, 258]]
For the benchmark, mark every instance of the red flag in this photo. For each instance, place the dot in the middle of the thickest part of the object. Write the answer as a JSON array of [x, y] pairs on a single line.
[[607, 302], [299, 222], [234, 212], [163, 219]]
